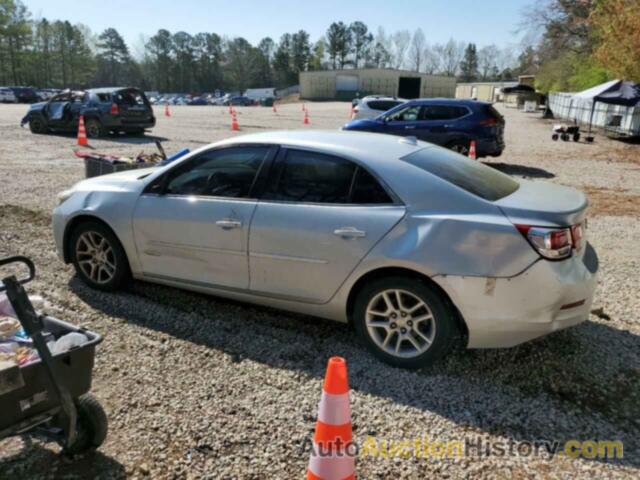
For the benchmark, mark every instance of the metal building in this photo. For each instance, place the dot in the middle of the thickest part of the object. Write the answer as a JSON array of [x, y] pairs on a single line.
[[483, 91], [349, 84]]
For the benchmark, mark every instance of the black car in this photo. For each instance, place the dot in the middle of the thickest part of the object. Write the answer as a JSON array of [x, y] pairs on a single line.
[[26, 94], [451, 123], [240, 101], [104, 109]]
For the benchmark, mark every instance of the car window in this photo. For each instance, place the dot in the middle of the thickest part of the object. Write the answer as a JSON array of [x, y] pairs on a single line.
[[442, 112], [408, 114], [104, 97], [219, 173], [367, 190], [129, 97], [312, 177], [470, 175]]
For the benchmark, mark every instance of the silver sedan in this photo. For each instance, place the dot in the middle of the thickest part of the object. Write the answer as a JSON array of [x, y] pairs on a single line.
[[413, 244]]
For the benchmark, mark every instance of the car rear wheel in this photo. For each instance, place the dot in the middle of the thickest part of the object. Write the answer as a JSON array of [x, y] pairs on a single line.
[[98, 257], [36, 125], [94, 128], [404, 322]]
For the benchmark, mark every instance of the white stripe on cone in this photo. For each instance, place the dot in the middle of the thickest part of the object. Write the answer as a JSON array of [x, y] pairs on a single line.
[[331, 466], [334, 409]]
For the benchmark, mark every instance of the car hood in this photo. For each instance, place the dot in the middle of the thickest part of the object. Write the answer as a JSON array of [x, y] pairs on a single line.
[[126, 181], [37, 106], [362, 124], [544, 204]]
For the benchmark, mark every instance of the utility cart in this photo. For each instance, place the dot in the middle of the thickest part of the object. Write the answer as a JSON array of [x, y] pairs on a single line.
[[49, 397]]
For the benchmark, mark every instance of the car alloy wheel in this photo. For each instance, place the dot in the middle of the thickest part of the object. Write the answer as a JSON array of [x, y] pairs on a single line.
[[94, 128], [96, 257], [400, 323]]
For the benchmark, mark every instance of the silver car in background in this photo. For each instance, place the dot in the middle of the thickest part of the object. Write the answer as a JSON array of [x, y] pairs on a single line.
[[413, 244], [373, 106]]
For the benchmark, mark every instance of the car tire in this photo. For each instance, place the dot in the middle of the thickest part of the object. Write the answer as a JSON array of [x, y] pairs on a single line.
[[98, 256], [433, 333], [36, 125], [459, 147], [94, 128]]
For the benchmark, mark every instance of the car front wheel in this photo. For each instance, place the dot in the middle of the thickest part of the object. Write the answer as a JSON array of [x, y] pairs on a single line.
[[36, 125], [98, 257], [404, 322]]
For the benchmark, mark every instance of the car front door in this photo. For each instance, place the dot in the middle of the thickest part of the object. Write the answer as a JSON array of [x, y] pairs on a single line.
[[404, 122], [192, 224], [316, 221]]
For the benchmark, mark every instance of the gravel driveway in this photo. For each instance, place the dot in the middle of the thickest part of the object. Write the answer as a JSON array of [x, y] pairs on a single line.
[[201, 387]]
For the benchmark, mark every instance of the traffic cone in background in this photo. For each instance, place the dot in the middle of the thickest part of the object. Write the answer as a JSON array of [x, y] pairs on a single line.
[[82, 133], [304, 108], [351, 112], [306, 117], [274, 109], [230, 109], [472, 150], [167, 112], [234, 121], [329, 458]]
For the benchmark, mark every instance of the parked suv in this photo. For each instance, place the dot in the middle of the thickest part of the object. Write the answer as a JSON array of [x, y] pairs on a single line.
[[104, 110], [445, 122], [374, 105]]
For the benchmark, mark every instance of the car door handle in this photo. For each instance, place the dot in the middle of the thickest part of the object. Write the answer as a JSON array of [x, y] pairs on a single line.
[[350, 232], [409, 127], [229, 223]]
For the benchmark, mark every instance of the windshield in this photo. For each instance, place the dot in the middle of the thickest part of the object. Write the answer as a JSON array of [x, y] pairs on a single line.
[[470, 175]]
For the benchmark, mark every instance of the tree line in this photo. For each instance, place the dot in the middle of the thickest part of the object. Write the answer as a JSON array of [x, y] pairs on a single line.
[[582, 43], [59, 54]]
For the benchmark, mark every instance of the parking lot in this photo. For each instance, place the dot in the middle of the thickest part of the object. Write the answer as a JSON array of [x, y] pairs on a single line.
[[200, 387]]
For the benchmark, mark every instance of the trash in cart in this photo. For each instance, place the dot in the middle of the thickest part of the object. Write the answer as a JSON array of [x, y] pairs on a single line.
[[97, 164], [46, 367]]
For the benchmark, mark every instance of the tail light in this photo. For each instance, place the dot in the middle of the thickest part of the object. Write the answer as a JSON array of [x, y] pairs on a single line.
[[550, 243], [489, 122], [114, 110]]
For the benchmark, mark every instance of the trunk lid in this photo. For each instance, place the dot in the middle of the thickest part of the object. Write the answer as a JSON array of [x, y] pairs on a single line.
[[544, 205]]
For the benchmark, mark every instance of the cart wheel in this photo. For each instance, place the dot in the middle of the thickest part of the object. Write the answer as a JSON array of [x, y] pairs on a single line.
[[91, 427], [554, 137], [576, 137], [565, 137]]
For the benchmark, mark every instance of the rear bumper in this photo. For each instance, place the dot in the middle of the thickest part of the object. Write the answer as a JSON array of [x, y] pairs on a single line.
[[489, 147], [547, 297]]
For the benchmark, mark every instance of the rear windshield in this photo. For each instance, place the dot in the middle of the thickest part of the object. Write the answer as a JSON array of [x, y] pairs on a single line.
[[129, 97], [470, 175]]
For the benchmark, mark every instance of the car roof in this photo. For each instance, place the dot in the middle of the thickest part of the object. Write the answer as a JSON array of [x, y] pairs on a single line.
[[448, 101]]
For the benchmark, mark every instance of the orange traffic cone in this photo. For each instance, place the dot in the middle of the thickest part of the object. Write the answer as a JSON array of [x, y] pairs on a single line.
[[306, 117], [234, 121], [304, 108], [330, 457], [351, 112], [167, 112], [472, 150], [274, 109], [82, 133], [230, 109]]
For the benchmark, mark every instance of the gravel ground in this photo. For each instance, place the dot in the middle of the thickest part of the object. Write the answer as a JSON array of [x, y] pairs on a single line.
[[200, 387]]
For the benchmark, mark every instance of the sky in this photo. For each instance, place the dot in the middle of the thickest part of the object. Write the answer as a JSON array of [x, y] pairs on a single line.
[[480, 21]]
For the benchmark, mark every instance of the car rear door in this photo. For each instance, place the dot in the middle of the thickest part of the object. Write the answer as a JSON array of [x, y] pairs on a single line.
[[192, 224], [318, 218]]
